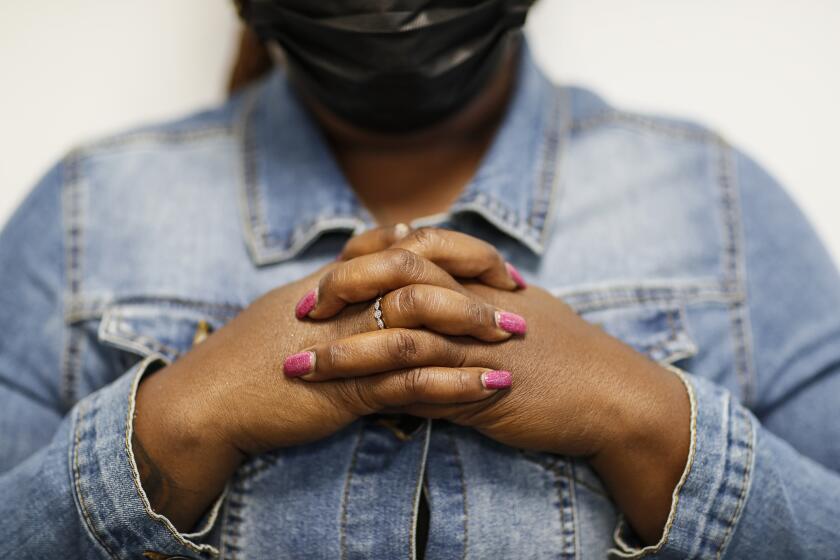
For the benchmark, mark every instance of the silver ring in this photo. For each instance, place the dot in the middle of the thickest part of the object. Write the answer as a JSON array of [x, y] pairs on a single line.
[[377, 313]]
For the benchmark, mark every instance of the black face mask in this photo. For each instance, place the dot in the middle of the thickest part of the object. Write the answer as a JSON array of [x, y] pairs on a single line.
[[391, 65]]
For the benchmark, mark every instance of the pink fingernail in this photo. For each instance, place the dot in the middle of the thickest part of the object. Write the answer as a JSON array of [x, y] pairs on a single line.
[[517, 277], [511, 322], [496, 379], [299, 364], [306, 304]]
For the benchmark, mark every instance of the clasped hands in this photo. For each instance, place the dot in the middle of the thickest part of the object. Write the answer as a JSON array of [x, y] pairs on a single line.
[[465, 340]]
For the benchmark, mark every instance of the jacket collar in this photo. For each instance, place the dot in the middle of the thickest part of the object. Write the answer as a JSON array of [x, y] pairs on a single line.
[[293, 190]]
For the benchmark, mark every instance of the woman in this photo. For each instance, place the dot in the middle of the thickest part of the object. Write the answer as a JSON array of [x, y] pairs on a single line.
[[488, 370]]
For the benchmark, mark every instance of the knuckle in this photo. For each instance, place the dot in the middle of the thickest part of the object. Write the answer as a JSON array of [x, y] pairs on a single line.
[[402, 257], [416, 381], [356, 396], [406, 299], [402, 347], [454, 354], [424, 236], [476, 313], [345, 396], [336, 355], [407, 263], [462, 384]]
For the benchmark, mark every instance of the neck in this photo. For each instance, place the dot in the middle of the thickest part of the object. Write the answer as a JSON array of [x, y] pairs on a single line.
[[400, 177]]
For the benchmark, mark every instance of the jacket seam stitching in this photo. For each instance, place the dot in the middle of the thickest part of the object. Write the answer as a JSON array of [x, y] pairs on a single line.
[[563, 477], [71, 364], [77, 483], [249, 196], [543, 204], [653, 124], [224, 528], [95, 308], [266, 249], [577, 480], [595, 299], [457, 455], [733, 269], [230, 535], [747, 477], [571, 531], [712, 534], [90, 149], [345, 495], [73, 256]]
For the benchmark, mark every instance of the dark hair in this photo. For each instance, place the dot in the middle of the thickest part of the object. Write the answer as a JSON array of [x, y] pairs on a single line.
[[252, 61]]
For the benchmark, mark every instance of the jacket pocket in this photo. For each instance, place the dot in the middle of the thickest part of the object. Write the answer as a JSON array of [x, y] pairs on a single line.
[[654, 325], [164, 327]]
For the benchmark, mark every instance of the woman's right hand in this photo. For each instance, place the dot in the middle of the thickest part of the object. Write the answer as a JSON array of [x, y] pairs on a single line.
[[227, 398]]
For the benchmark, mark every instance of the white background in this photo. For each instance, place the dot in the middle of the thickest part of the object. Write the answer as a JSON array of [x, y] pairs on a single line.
[[766, 73]]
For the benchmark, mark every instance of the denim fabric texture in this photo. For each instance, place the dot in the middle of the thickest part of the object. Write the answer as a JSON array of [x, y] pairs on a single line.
[[655, 229]]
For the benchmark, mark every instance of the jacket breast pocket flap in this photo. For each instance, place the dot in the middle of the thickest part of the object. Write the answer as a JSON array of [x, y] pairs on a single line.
[[657, 329], [163, 327]]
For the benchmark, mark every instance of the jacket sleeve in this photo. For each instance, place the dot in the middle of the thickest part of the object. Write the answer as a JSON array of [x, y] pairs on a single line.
[[68, 481], [764, 475]]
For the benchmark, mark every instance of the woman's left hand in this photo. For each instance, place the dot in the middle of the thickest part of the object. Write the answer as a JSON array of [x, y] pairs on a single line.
[[576, 391]]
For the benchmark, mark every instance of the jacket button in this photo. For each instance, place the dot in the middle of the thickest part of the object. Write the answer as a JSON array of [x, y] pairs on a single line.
[[202, 331]]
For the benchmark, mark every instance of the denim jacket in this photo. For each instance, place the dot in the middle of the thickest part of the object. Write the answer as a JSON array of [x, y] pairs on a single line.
[[655, 229]]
